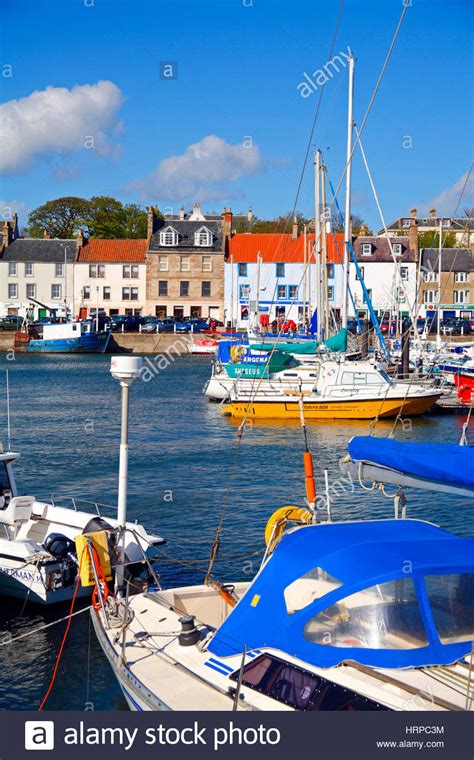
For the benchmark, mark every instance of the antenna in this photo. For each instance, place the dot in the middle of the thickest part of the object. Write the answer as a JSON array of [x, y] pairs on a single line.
[[9, 432]]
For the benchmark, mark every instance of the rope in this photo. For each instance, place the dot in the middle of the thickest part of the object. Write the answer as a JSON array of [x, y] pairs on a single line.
[[42, 627]]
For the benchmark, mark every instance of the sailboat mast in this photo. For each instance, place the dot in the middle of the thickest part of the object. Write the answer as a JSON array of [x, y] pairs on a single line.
[[324, 265], [305, 279], [317, 236], [257, 299], [438, 321], [347, 215]]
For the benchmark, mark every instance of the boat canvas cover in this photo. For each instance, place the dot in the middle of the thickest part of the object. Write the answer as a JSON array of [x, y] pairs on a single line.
[[440, 462], [359, 555], [337, 344]]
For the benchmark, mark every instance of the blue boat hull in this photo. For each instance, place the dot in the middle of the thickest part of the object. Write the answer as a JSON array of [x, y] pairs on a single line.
[[88, 343]]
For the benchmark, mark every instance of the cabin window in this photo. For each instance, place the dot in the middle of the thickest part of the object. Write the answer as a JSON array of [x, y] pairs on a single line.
[[385, 616], [299, 688], [360, 378], [312, 585], [452, 603]]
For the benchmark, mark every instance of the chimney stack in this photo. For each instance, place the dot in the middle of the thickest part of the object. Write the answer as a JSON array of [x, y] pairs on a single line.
[[413, 238], [363, 230], [294, 231], [80, 240], [181, 214], [414, 212], [7, 234], [433, 213], [227, 223], [150, 227]]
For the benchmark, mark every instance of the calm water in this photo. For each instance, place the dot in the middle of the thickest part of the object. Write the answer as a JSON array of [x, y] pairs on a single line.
[[183, 469]]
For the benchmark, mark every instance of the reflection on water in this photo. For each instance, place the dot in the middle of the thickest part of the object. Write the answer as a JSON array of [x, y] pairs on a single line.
[[65, 423]]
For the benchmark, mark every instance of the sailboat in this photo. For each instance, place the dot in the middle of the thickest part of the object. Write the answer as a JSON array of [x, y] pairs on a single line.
[[359, 615]]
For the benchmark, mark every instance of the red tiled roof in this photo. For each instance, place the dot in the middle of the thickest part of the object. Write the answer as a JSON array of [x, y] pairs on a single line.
[[280, 247], [113, 250]]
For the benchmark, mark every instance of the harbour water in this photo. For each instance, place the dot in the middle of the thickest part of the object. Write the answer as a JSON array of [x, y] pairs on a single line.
[[185, 467]]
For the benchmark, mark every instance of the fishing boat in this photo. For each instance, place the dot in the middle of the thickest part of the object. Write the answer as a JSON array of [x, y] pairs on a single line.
[[361, 615], [41, 542], [343, 390], [66, 337], [206, 346]]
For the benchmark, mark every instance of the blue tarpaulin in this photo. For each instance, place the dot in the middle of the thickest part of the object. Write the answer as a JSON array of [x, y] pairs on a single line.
[[441, 462], [358, 555]]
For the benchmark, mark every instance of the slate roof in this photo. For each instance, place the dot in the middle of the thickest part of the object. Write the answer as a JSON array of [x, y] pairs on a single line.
[[99, 250], [381, 249], [186, 230], [452, 259], [279, 247], [40, 250], [457, 224]]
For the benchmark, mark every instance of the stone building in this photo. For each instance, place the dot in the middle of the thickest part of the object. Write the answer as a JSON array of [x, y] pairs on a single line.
[[456, 294], [185, 263]]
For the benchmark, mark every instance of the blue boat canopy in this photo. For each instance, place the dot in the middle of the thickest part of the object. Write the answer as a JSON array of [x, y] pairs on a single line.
[[384, 593], [438, 464]]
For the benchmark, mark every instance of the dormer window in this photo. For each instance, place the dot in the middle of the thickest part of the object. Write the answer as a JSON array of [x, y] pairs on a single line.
[[406, 222], [397, 249], [168, 236], [203, 237], [366, 249], [446, 223]]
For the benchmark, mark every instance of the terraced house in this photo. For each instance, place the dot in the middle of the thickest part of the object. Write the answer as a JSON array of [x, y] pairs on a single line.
[[185, 263]]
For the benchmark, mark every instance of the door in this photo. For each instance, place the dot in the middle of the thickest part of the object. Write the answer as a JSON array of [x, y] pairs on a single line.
[[178, 311]]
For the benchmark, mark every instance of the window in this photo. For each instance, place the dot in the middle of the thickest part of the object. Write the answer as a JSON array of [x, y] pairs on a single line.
[[28, 270], [331, 292], [130, 271], [59, 270], [129, 294], [184, 288], [163, 263], [430, 296], [292, 292], [361, 269], [12, 290], [169, 236], [281, 291], [385, 616], [460, 277], [312, 585], [184, 264], [404, 273], [451, 598], [106, 293], [96, 270], [86, 293], [368, 295], [12, 269], [280, 270], [366, 249], [430, 277], [406, 223], [162, 287], [55, 292], [31, 290], [298, 688], [135, 272], [397, 249], [203, 236], [242, 270], [245, 291], [330, 269], [206, 264], [460, 296], [160, 311], [205, 289], [361, 378]]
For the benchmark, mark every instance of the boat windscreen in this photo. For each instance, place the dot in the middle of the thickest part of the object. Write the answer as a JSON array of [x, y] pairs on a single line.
[[451, 598]]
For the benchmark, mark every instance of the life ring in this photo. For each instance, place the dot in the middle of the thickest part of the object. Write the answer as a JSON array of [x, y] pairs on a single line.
[[277, 522], [236, 353]]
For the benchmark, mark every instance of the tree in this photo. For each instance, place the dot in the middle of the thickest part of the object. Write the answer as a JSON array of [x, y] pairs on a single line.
[[337, 222], [280, 224], [136, 221], [60, 218], [105, 217], [431, 240]]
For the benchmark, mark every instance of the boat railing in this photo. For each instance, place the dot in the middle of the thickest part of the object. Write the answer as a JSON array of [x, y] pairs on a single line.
[[83, 505]]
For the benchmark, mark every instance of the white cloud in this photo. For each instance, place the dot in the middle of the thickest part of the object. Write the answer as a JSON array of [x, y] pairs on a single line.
[[446, 203], [8, 208], [58, 120], [202, 172]]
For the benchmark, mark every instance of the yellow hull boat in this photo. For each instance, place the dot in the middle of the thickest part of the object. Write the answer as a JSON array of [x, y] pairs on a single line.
[[361, 409]]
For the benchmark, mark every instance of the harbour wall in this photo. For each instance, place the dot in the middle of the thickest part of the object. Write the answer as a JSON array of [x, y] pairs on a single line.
[[136, 343]]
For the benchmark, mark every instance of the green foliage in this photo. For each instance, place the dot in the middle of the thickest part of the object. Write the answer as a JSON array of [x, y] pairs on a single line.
[[99, 217], [431, 240], [61, 218], [280, 224]]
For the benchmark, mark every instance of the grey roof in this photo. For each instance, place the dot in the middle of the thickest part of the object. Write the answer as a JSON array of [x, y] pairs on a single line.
[[186, 230], [381, 249], [452, 259], [40, 250], [457, 224]]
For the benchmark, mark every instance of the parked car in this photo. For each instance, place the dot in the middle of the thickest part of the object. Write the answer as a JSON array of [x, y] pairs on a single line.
[[11, 322], [166, 324], [129, 323], [193, 324], [150, 324]]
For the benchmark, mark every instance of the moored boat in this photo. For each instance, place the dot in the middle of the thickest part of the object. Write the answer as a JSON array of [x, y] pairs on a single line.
[[66, 337]]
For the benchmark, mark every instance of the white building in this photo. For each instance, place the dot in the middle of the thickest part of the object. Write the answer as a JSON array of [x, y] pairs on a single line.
[[111, 275], [285, 292]]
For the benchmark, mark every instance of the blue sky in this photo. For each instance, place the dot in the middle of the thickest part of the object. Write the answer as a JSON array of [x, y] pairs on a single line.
[[236, 99]]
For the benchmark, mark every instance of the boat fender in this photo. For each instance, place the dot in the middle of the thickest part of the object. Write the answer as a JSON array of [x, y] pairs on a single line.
[[281, 517], [189, 635]]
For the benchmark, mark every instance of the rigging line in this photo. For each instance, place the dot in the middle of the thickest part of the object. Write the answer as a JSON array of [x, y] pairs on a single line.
[[372, 99], [42, 627]]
